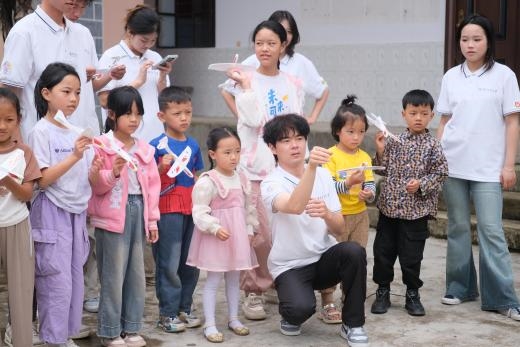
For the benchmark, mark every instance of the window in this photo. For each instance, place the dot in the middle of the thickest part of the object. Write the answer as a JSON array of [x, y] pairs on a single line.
[[186, 23]]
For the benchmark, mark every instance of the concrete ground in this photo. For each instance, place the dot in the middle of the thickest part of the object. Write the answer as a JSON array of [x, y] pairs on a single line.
[[462, 325]]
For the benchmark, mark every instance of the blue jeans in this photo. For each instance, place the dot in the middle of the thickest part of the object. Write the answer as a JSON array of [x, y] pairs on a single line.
[[175, 281], [495, 272], [121, 274]]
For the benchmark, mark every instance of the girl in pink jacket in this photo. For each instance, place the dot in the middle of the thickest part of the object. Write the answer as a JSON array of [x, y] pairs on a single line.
[[124, 210]]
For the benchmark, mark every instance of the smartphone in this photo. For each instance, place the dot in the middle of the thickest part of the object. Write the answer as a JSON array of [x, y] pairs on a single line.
[[167, 59]]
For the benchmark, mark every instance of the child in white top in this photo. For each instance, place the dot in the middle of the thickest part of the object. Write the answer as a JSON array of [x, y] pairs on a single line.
[[224, 219], [58, 212], [16, 245]]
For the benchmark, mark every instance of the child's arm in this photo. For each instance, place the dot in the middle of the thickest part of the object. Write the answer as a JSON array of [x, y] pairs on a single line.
[[52, 173], [437, 173], [368, 191], [381, 157], [154, 189], [203, 193], [251, 215], [22, 192]]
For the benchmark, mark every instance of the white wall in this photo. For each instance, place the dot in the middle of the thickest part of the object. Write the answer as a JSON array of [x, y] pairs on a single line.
[[376, 49]]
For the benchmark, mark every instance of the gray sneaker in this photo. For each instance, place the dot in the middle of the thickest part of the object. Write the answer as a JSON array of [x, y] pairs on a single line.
[[513, 313], [289, 329], [356, 337]]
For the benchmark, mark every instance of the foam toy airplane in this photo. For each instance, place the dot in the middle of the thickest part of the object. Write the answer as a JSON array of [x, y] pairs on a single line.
[[7, 167], [182, 162], [380, 124], [60, 118], [114, 147]]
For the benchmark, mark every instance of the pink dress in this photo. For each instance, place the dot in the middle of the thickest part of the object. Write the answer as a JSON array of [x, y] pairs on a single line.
[[227, 209]]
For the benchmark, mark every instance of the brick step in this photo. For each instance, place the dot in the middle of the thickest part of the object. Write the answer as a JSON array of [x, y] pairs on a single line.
[[438, 227]]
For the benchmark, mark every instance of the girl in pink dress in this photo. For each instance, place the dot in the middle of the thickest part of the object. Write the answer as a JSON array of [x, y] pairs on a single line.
[[224, 220]]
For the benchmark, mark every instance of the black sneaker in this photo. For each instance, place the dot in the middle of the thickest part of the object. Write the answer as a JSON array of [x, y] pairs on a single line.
[[382, 302], [413, 303]]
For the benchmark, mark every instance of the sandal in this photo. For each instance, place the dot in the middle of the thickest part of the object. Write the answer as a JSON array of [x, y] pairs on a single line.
[[217, 337], [330, 314], [240, 331]]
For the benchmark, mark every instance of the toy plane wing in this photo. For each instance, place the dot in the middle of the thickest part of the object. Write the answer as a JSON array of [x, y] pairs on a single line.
[[163, 144], [8, 166], [180, 163], [114, 147], [60, 118], [381, 125]]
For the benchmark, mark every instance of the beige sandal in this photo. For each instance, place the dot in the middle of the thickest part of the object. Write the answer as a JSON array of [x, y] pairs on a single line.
[[330, 314], [215, 338], [240, 331]]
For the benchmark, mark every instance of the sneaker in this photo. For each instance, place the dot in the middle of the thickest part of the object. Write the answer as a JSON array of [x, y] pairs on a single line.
[[83, 333], [513, 313], [289, 329], [91, 305], [36, 336], [134, 340], [171, 324], [253, 307], [382, 302], [189, 319], [71, 343], [356, 337], [8, 335], [413, 303], [450, 300], [113, 342]]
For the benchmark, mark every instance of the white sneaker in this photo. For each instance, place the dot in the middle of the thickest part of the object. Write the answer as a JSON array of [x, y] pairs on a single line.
[[189, 319], [253, 307], [450, 300], [71, 343], [513, 313], [83, 333], [91, 305], [356, 337], [36, 336]]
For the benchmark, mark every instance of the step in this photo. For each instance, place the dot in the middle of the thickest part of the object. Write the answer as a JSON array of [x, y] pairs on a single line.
[[511, 209], [438, 227]]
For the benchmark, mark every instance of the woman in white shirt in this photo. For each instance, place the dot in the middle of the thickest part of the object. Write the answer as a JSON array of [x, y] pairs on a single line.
[[479, 102]]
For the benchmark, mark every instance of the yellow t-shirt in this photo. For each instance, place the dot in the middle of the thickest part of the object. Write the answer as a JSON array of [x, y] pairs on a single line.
[[340, 160]]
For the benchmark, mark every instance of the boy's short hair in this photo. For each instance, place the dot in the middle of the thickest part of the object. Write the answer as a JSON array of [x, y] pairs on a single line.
[[418, 97], [280, 127], [172, 94]]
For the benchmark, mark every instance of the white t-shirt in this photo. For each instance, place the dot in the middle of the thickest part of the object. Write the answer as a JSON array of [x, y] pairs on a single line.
[[298, 240], [269, 96], [151, 126], [51, 145], [299, 66], [85, 115], [34, 42], [473, 140]]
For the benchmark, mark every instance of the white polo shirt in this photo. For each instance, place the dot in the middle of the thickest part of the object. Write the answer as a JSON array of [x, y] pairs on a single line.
[[299, 66], [34, 42], [85, 115], [473, 140], [298, 240], [151, 126]]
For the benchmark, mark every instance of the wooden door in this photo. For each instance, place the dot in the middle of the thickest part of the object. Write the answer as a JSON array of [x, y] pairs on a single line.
[[503, 13]]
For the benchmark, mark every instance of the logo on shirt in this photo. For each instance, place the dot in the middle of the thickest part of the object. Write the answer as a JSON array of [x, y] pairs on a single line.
[[277, 105], [6, 68]]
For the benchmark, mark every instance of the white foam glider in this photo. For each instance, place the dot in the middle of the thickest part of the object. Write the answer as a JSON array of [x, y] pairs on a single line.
[[120, 151], [7, 167], [60, 118], [185, 155], [381, 125]]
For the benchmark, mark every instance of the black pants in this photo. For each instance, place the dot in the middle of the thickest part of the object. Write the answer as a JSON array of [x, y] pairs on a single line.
[[345, 262], [399, 238]]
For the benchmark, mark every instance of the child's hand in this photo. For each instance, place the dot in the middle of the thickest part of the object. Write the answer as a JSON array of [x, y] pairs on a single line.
[[380, 143], [365, 194], [222, 234], [356, 177], [81, 145], [316, 208], [412, 186], [153, 236], [165, 162], [319, 156], [118, 166]]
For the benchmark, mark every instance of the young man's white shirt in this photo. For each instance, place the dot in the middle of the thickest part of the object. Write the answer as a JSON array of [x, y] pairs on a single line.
[[298, 240], [34, 42], [477, 102]]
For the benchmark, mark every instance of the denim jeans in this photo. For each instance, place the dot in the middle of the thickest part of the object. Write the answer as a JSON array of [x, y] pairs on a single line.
[[495, 272], [175, 281], [121, 273]]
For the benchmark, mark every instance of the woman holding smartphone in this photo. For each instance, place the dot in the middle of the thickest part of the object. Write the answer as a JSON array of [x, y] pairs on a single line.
[[143, 70]]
